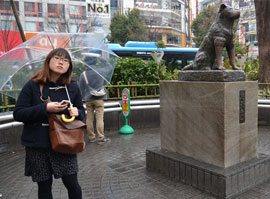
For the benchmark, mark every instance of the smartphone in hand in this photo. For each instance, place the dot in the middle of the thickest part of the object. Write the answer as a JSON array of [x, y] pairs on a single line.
[[63, 102]]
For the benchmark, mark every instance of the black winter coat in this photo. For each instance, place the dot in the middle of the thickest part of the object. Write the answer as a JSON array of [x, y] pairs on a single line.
[[32, 112]]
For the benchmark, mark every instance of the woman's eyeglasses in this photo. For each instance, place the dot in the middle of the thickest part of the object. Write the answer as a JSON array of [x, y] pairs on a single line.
[[65, 60]]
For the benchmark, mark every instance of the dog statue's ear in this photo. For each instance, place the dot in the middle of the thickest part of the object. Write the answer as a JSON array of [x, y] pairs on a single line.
[[222, 7]]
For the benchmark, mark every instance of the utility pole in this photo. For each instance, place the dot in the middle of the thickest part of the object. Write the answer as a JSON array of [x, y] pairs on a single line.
[[187, 23], [197, 7], [17, 20]]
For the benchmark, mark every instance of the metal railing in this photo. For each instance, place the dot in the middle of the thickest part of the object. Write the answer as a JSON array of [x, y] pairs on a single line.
[[6, 103], [137, 91], [264, 90], [115, 106], [264, 103], [109, 106]]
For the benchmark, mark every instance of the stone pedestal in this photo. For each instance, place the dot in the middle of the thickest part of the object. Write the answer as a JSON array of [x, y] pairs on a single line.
[[214, 122], [208, 126]]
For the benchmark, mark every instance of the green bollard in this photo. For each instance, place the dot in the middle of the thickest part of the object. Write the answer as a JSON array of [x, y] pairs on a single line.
[[126, 129]]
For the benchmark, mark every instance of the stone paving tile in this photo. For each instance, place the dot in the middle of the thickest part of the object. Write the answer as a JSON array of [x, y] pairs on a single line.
[[116, 170]]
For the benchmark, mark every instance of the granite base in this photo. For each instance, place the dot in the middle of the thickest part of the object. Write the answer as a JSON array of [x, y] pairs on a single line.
[[221, 182]]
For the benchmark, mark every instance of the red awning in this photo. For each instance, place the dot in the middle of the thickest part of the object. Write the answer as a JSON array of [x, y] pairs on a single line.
[[9, 40]]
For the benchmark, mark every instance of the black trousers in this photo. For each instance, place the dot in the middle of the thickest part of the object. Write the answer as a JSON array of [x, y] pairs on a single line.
[[70, 182]]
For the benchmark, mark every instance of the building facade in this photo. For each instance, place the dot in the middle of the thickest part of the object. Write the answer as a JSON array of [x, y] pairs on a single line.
[[167, 20], [247, 31], [56, 15], [247, 27], [247, 22]]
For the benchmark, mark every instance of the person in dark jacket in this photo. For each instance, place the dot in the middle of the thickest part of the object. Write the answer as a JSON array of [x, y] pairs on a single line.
[[94, 93], [41, 162]]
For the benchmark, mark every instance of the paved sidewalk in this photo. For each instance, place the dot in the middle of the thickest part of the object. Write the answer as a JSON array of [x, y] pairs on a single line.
[[116, 170]]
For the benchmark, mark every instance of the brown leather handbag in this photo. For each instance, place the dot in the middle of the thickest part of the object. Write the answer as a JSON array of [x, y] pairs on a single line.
[[65, 137]]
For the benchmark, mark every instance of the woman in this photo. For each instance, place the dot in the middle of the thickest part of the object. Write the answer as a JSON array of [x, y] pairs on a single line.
[[41, 163]]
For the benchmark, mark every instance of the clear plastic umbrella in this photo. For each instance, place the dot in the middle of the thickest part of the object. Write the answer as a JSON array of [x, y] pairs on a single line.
[[18, 65]]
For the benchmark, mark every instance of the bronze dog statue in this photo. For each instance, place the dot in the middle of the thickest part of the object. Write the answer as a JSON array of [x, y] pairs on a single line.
[[220, 35]]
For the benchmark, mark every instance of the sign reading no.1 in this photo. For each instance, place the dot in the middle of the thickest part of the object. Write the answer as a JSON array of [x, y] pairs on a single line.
[[98, 9], [125, 102]]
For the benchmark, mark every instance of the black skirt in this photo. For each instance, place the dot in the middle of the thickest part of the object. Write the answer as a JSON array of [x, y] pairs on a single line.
[[42, 163]]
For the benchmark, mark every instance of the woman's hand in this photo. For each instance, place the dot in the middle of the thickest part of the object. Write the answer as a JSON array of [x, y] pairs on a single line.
[[73, 111], [55, 107]]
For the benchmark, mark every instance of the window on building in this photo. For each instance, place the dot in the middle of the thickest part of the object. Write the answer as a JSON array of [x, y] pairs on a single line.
[[56, 10], [40, 10], [243, 3], [252, 14], [63, 27], [154, 35], [176, 6], [75, 28], [6, 25], [245, 27], [77, 12], [252, 27], [53, 27], [84, 28], [30, 26], [53, 9], [114, 3], [84, 12], [32, 9], [251, 38], [74, 10], [40, 26], [153, 4], [5, 7]]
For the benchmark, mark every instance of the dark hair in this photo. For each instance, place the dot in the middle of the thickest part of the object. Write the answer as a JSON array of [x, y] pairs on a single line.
[[43, 76]]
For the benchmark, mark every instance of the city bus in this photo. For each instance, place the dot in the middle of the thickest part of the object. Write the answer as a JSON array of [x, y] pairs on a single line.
[[174, 57]]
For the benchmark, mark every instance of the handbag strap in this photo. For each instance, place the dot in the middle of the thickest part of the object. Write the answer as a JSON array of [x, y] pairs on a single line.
[[86, 81], [41, 86], [85, 78]]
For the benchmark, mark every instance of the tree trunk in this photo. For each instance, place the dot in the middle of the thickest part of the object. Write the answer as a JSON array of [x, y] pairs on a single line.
[[262, 8]]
